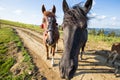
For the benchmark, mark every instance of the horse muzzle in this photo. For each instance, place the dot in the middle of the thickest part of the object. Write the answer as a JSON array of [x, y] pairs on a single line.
[[50, 42]]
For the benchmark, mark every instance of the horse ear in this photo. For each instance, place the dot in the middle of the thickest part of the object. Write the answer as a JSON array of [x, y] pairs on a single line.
[[65, 6], [54, 9], [88, 6], [43, 8]]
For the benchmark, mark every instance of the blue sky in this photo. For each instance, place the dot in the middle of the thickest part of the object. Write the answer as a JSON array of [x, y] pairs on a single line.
[[105, 13]]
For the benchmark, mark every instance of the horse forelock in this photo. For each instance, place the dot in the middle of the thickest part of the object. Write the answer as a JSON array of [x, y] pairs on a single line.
[[49, 14], [74, 16]]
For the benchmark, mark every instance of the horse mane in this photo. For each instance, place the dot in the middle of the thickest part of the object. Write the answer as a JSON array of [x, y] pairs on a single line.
[[48, 13], [75, 15]]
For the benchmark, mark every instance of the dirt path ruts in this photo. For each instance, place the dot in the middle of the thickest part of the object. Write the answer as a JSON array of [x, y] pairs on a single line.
[[93, 66], [38, 54]]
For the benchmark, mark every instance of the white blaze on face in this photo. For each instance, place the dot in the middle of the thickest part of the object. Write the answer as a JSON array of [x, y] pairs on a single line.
[[50, 32]]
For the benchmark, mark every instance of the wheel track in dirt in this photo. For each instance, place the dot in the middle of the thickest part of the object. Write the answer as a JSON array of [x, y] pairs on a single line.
[[38, 53], [86, 70]]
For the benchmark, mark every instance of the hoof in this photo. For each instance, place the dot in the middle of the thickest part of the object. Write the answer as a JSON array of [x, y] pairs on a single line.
[[56, 50], [81, 58], [52, 65], [52, 62], [47, 58]]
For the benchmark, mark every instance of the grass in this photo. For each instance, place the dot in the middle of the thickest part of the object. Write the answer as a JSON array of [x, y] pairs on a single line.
[[108, 40], [8, 35], [18, 24], [6, 62]]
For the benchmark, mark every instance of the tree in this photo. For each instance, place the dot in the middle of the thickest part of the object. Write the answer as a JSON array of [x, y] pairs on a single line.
[[93, 32], [101, 32], [111, 34]]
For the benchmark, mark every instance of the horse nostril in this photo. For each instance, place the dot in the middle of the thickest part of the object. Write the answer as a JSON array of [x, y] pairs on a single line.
[[49, 22], [53, 41], [47, 40], [50, 42]]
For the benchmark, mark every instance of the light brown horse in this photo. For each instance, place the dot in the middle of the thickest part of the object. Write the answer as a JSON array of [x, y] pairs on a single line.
[[51, 33]]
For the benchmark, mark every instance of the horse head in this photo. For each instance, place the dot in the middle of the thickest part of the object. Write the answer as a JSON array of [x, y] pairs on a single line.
[[49, 24], [75, 34]]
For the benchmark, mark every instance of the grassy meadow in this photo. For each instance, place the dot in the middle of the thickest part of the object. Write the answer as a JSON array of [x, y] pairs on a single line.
[[10, 47], [92, 39], [22, 25], [96, 42], [8, 57]]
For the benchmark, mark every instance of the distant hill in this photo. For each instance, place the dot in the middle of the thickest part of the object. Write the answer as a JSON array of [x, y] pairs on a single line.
[[107, 30]]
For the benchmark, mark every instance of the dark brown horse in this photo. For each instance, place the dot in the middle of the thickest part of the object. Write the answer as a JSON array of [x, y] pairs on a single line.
[[51, 33], [75, 36], [115, 53]]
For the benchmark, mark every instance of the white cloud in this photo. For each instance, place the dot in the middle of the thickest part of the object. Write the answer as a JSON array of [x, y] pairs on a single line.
[[34, 15], [101, 17], [113, 18], [92, 15], [94, 2], [18, 12], [113, 24], [1, 8]]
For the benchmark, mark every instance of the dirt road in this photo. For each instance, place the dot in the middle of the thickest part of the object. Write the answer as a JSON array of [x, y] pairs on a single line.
[[93, 67]]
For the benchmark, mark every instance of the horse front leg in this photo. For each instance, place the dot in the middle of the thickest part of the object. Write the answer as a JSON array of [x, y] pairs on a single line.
[[82, 52], [50, 50], [47, 52], [56, 48], [53, 53]]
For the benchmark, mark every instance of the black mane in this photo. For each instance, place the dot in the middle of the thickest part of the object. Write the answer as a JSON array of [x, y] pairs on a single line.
[[75, 15]]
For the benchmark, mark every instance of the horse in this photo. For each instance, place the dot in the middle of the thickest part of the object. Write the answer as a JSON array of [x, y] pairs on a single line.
[[74, 35], [84, 44], [115, 53], [51, 32]]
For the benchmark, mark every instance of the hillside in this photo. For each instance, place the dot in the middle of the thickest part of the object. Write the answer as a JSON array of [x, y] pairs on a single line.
[[107, 30], [91, 68], [15, 61]]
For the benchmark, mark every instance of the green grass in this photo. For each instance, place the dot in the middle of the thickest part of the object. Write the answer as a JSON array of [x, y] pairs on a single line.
[[8, 35], [4, 68], [6, 62], [23, 25], [106, 39]]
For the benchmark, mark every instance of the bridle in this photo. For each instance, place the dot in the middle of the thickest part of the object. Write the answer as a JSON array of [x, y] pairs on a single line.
[[49, 24]]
